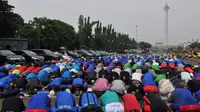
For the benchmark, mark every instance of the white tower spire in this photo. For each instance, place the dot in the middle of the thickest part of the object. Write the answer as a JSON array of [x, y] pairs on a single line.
[[166, 8]]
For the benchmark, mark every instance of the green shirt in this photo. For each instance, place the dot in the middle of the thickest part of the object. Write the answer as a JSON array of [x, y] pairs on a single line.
[[109, 97], [127, 65], [160, 77]]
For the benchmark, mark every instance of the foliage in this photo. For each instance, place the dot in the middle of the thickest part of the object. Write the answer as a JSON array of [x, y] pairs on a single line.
[[51, 34], [10, 22], [104, 38], [195, 45], [144, 45]]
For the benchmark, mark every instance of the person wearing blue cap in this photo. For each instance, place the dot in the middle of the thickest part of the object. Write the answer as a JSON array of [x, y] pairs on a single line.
[[78, 83], [39, 102], [65, 102]]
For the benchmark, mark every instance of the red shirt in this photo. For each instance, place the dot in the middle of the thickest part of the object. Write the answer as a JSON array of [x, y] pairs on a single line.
[[130, 103], [36, 70], [22, 69], [30, 69]]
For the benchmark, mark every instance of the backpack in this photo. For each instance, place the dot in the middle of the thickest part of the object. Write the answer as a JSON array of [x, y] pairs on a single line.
[[89, 103]]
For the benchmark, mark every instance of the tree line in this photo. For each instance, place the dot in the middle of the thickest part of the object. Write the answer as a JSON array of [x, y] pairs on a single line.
[[51, 33]]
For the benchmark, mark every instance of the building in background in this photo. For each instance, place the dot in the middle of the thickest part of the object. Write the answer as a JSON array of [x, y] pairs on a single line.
[[13, 44]]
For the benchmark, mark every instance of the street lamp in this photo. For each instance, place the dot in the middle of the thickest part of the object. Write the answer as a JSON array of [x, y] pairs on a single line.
[[36, 26]]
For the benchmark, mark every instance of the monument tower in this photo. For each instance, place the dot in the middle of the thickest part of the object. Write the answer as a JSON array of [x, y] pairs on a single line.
[[166, 8]]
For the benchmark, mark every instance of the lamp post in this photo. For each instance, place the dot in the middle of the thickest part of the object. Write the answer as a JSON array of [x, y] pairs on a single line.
[[38, 26]]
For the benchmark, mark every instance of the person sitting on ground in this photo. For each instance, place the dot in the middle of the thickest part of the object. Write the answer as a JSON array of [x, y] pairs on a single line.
[[182, 100], [44, 77], [78, 83], [112, 76], [165, 88], [65, 102], [55, 86], [125, 77], [154, 103], [39, 102], [20, 83], [33, 86], [13, 103], [118, 86], [67, 79], [111, 102], [101, 86], [130, 103], [5, 82], [135, 86], [91, 77]]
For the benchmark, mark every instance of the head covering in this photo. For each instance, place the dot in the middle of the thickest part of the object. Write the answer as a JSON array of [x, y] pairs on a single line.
[[188, 69], [17, 72], [128, 70], [90, 68], [160, 77], [130, 103], [165, 86], [155, 66], [65, 101], [66, 74], [185, 76], [148, 76], [136, 76], [163, 65], [127, 65], [172, 65], [117, 70], [135, 66], [101, 85], [111, 65]]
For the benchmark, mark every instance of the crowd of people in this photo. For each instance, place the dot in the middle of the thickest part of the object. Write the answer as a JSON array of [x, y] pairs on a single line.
[[122, 83]]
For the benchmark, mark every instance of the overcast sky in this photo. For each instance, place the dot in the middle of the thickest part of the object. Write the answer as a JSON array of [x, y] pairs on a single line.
[[149, 15]]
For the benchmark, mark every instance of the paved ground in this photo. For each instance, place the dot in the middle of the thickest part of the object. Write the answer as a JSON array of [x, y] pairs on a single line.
[[52, 100]]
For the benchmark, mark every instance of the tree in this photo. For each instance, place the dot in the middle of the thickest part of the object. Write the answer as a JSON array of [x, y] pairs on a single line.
[[10, 22], [195, 45], [55, 34], [144, 45]]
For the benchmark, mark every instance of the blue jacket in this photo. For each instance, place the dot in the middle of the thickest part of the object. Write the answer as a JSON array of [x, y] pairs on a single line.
[[52, 66], [5, 82], [2, 75], [79, 81], [12, 76], [182, 97], [56, 82], [30, 76], [11, 66], [39, 101], [44, 66], [65, 101], [148, 76], [43, 75], [55, 69], [66, 75], [148, 83]]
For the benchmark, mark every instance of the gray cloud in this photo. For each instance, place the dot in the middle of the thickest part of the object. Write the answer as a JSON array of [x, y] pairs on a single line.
[[124, 15]]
